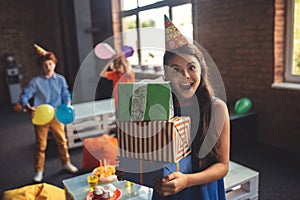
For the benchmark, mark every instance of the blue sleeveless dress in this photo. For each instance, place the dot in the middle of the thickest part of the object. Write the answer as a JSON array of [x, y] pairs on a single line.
[[211, 191]]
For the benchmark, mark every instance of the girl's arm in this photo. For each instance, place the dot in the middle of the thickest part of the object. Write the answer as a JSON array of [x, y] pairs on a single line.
[[103, 72], [177, 181]]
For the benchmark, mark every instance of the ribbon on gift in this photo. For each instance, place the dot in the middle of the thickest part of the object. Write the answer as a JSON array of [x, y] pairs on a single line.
[[139, 100], [181, 127]]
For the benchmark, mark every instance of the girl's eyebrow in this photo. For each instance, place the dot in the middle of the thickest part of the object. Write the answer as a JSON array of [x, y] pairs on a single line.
[[176, 65]]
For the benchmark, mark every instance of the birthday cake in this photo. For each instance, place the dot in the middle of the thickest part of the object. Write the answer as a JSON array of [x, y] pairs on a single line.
[[105, 172]]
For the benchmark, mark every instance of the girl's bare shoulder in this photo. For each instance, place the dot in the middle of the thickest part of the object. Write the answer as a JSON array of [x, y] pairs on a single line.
[[219, 105]]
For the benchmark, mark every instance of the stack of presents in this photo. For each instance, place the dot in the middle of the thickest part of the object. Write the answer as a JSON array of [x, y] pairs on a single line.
[[152, 142]]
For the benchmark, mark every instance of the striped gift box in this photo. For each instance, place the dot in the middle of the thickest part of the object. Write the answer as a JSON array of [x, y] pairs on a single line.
[[163, 141]]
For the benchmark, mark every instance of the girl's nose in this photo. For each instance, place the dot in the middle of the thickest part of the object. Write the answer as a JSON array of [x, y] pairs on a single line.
[[185, 74]]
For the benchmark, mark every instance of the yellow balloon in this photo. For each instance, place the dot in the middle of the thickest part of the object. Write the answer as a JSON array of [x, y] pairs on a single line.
[[43, 114]]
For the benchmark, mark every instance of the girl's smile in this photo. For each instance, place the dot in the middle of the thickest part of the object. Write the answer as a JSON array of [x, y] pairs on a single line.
[[184, 73]]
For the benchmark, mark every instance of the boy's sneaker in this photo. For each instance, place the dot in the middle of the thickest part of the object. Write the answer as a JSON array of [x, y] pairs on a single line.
[[38, 177], [70, 167]]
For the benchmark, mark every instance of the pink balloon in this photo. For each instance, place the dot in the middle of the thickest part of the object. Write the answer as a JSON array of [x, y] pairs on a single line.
[[104, 51]]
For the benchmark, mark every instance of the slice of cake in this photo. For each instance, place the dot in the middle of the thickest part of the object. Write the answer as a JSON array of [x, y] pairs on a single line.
[[106, 192]]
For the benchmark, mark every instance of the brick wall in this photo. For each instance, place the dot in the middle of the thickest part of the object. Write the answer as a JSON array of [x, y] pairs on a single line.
[[22, 24], [50, 24], [239, 35]]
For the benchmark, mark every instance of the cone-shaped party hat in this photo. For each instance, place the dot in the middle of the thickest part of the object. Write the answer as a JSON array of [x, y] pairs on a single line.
[[40, 50], [173, 37]]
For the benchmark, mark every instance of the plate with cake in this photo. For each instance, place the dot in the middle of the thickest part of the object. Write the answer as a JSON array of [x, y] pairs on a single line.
[[106, 192]]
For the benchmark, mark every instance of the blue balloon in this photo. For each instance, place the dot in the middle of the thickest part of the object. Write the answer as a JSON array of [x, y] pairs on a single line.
[[65, 114]]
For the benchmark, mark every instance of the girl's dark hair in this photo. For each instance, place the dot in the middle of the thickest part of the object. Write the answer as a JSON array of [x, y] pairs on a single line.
[[48, 56], [204, 95], [121, 60]]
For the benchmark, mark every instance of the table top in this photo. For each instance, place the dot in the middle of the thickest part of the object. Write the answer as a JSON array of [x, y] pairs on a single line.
[[77, 187], [234, 116], [237, 175], [93, 108]]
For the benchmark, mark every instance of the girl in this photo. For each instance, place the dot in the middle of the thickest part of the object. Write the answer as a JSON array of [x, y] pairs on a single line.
[[187, 72], [121, 72]]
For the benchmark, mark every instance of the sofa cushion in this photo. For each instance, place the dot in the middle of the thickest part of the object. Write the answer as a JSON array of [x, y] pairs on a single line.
[[99, 148]]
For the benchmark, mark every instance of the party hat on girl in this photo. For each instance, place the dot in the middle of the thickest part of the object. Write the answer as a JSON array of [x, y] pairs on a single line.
[[40, 50], [173, 37]]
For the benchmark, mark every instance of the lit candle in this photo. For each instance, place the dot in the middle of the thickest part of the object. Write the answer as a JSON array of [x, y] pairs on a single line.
[[105, 165]]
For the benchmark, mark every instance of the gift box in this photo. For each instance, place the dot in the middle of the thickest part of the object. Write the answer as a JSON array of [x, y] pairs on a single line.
[[144, 172], [144, 101], [164, 141]]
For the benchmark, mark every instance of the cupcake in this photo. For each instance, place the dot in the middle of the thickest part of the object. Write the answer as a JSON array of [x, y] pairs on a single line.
[[110, 187], [98, 192], [107, 195], [104, 192]]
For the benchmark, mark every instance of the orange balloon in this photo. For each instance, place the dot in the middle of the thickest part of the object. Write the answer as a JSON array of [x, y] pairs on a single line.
[[18, 107]]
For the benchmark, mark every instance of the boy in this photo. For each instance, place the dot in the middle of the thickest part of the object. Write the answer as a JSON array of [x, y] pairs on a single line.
[[48, 88]]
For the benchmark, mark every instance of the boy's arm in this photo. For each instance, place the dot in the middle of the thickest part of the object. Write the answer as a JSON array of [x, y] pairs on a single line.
[[66, 95], [27, 93]]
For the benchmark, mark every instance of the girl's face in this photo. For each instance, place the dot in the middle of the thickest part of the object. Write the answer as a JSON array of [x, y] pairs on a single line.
[[118, 66], [48, 68], [184, 73]]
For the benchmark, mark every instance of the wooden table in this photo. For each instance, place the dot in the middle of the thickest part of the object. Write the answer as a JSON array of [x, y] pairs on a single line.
[[91, 119], [76, 188], [240, 183]]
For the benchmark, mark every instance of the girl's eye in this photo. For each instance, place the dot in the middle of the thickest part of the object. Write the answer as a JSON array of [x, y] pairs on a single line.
[[192, 67], [175, 70]]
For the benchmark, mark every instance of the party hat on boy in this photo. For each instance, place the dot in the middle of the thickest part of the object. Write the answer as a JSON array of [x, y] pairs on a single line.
[[173, 37], [40, 50]]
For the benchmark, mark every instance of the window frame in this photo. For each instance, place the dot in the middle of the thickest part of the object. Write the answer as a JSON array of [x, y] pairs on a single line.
[[135, 11], [288, 75]]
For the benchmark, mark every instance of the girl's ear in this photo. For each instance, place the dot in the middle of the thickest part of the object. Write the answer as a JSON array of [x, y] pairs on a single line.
[[166, 76]]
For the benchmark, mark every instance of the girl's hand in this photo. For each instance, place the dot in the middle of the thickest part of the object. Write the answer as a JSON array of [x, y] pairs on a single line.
[[171, 184], [120, 173]]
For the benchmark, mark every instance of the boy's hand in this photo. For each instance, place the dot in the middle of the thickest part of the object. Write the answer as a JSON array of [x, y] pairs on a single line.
[[30, 109]]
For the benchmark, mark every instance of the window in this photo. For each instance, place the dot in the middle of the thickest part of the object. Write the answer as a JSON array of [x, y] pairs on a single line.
[[292, 61], [136, 15]]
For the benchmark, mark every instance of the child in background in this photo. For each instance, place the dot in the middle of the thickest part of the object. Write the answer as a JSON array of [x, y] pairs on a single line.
[[121, 72], [48, 88]]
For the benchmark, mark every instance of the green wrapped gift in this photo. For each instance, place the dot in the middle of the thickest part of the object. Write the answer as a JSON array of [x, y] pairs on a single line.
[[144, 101]]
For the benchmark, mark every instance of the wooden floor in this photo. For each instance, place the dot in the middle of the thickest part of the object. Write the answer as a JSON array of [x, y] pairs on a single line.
[[279, 174]]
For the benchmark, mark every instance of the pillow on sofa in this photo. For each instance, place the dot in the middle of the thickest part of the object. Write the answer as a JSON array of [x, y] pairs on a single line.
[[41, 191], [99, 148]]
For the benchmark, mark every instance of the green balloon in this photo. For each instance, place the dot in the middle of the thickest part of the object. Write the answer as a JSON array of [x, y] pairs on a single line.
[[243, 105]]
